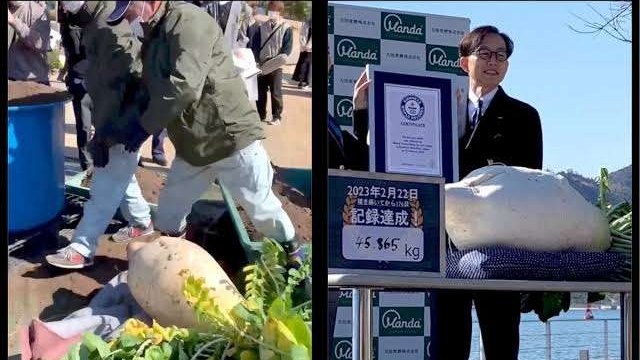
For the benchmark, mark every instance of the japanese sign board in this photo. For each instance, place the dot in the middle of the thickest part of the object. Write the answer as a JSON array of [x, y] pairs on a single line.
[[385, 223]]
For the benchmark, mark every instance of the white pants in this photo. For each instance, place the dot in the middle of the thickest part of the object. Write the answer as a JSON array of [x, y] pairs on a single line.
[[112, 185], [248, 176]]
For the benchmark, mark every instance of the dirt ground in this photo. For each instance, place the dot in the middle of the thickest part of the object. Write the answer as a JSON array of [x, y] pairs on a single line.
[[50, 294], [31, 93]]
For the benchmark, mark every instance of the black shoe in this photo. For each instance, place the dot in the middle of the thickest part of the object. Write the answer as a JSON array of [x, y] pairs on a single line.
[[160, 160], [140, 163]]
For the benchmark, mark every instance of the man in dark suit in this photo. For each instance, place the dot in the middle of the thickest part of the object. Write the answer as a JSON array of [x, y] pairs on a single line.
[[499, 129]]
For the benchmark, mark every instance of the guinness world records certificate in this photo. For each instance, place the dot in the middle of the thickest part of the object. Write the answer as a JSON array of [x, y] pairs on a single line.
[[413, 123], [412, 130]]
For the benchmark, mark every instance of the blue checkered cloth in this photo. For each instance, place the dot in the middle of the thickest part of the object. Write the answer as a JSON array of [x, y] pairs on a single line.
[[517, 264]]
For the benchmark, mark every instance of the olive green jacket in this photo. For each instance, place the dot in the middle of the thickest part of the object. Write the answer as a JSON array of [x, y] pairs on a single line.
[[114, 72], [194, 88]]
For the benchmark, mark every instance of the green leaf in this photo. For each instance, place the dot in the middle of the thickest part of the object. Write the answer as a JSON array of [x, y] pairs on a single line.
[[295, 273], [278, 309], [248, 355], [154, 352], [300, 330], [241, 312], [129, 341], [182, 355], [167, 349], [300, 352], [85, 353], [73, 353], [95, 343]]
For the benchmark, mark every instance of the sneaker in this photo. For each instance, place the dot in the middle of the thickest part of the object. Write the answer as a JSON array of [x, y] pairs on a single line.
[[68, 258], [160, 160], [131, 232], [275, 122]]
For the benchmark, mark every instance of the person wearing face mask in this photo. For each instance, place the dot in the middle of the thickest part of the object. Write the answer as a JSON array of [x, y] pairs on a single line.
[[29, 30], [271, 44], [197, 94], [497, 128], [113, 81]]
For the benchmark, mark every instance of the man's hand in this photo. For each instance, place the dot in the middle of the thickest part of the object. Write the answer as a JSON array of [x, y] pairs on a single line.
[[99, 150], [10, 18], [361, 98], [136, 136]]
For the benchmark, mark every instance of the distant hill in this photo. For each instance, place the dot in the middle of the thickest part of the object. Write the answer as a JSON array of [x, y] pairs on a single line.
[[619, 185]]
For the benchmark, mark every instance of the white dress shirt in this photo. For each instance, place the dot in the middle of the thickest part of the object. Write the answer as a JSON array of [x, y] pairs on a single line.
[[472, 104]]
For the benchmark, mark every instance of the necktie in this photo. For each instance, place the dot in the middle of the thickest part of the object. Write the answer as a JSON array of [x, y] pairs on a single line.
[[476, 115]]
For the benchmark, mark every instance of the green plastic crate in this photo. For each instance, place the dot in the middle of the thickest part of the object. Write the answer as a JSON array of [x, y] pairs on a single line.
[[299, 179]]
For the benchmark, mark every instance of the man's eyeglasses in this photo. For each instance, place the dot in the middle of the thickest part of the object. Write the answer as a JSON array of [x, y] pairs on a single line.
[[485, 54]]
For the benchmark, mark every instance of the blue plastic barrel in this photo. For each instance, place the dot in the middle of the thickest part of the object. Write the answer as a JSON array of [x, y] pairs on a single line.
[[36, 165]]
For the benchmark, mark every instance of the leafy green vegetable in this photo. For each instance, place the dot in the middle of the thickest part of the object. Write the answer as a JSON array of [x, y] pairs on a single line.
[[271, 324], [549, 304]]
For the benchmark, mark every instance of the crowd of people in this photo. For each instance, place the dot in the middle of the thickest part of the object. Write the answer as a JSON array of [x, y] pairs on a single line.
[[140, 69]]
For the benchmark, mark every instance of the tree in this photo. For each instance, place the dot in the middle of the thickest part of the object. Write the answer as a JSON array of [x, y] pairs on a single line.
[[294, 10], [297, 10], [616, 24]]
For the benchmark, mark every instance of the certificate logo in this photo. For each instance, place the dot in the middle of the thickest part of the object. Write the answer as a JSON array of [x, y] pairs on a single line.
[[412, 107], [402, 27], [354, 51]]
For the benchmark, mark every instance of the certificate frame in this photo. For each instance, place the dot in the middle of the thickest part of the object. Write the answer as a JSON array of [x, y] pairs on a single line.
[[378, 123]]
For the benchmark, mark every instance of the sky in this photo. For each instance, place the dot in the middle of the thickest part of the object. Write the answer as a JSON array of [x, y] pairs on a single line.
[[579, 83]]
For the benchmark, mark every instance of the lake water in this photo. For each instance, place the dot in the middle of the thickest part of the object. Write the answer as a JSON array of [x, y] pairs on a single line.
[[570, 333]]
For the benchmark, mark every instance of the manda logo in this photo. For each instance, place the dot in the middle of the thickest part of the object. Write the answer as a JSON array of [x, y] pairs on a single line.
[[342, 350], [412, 107], [392, 319], [348, 48], [393, 23], [344, 108], [354, 51], [438, 57], [443, 58], [403, 27]]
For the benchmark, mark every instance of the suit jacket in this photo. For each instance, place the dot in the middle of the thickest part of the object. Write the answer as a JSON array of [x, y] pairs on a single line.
[[509, 132]]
